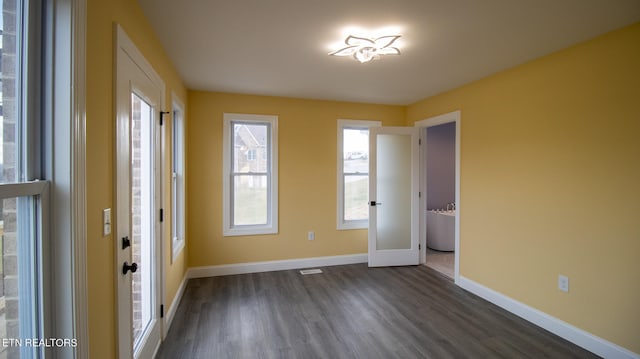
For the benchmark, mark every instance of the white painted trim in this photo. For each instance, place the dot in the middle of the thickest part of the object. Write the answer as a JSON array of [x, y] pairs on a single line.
[[178, 200], [11, 190], [586, 340], [126, 44], [132, 72], [269, 266], [173, 308], [160, 138], [439, 120], [342, 124], [79, 194], [435, 121]]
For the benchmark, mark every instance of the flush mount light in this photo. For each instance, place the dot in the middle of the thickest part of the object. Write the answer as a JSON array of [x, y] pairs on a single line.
[[365, 50]]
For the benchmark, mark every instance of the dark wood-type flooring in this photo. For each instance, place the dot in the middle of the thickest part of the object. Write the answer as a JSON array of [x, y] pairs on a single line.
[[350, 312]]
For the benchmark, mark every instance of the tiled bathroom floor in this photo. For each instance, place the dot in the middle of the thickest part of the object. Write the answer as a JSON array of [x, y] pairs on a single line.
[[443, 262]]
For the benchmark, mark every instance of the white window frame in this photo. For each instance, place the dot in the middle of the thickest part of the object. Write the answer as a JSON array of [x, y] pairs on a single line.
[[177, 178], [272, 176], [343, 224], [55, 173]]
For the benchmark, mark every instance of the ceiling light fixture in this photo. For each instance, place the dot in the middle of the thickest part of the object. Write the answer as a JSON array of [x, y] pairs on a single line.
[[365, 50]]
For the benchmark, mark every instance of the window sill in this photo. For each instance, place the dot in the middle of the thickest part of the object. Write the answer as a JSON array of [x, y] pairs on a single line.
[[249, 231], [345, 226]]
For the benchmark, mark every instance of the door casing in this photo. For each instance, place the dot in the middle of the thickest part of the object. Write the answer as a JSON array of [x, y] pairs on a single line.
[[134, 74], [454, 116]]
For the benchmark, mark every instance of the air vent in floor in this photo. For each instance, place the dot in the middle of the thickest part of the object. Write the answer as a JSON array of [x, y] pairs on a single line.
[[310, 271]]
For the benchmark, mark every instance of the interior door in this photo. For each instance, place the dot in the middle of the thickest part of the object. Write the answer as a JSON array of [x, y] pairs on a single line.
[[138, 187], [393, 196]]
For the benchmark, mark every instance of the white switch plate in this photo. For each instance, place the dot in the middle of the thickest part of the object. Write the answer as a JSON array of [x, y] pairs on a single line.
[[563, 283], [106, 221], [311, 235]]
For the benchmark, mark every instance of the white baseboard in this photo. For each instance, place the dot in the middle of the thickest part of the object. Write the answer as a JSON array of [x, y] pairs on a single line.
[[592, 343], [255, 267], [171, 312]]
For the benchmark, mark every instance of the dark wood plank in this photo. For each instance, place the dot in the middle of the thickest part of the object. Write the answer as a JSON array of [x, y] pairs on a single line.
[[350, 312]]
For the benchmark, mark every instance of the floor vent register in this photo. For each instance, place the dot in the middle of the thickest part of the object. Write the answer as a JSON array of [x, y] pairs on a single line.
[[310, 271]]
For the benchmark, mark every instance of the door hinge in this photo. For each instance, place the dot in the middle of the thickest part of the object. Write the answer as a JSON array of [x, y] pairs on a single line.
[[419, 246], [419, 194], [420, 141], [162, 113], [161, 215], [161, 310]]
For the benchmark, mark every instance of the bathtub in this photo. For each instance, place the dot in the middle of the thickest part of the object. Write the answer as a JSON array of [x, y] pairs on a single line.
[[441, 230]]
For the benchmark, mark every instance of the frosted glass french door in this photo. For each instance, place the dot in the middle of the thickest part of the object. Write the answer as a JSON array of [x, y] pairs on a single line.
[[393, 196]]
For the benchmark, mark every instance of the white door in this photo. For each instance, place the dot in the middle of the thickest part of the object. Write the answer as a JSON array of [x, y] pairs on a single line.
[[138, 186], [393, 196]]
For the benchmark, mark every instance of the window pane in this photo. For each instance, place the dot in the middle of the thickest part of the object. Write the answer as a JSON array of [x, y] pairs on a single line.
[[177, 185], [250, 206], [9, 95], [355, 150], [142, 212], [356, 195], [18, 287], [250, 146]]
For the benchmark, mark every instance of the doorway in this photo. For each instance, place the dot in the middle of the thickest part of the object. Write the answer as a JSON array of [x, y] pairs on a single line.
[[139, 94], [440, 193]]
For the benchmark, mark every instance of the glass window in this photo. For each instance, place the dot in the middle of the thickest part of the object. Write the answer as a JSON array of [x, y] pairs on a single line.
[[177, 179], [250, 174], [23, 193], [353, 173]]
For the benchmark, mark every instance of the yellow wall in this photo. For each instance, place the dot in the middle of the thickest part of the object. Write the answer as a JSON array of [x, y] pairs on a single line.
[[550, 174], [307, 131], [549, 177], [101, 16]]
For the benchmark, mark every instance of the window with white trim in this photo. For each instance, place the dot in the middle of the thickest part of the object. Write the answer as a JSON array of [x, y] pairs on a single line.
[[38, 266], [177, 179], [353, 173], [250, 183]]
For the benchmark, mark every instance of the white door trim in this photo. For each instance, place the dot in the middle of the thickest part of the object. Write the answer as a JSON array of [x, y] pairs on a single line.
[[78, 154], [423, 124], [128, 56]]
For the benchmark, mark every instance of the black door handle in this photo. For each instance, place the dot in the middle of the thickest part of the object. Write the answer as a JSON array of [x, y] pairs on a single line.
[[126, 242], [374, 203], [126, 267]]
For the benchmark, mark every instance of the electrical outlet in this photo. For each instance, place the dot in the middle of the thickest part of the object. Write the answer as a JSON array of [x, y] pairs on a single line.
[[563, 283], [311, 236]]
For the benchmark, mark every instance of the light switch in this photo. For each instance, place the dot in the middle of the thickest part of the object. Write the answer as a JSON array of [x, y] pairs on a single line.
[[106, 221]]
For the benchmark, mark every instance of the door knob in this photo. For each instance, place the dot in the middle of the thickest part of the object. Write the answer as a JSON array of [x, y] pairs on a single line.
[[126, 267]]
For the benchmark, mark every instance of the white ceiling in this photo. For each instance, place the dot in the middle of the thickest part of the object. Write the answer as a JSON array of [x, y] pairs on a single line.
[[280, 47]]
